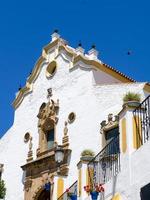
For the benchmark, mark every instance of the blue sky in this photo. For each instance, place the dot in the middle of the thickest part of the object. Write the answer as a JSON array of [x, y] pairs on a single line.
[[115, 26]]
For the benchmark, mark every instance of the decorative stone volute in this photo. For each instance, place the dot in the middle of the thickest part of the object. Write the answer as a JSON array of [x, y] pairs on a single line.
[[111, 123]]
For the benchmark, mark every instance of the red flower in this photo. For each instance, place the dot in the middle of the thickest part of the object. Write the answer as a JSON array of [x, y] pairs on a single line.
[[87, 188], [67, 190], [102, 189], [97, 188]]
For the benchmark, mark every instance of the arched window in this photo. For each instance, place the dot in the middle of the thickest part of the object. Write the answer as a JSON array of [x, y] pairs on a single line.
[[50, 138], [47, 125], [49, 132]]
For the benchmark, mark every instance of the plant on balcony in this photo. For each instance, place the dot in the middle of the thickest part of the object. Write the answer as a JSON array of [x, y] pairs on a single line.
[[94, 191], [71, 195], [132, 99], [87, 154], [2, 189]]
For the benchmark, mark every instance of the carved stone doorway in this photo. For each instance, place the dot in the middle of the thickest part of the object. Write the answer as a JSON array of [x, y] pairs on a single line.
[[44, 195]]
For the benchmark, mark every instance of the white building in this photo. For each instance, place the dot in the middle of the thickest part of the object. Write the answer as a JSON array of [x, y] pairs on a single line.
[[64, 103]]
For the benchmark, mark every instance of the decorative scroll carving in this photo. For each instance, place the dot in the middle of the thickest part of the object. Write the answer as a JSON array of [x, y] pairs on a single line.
[[47, 120], [110, 124], [48, 113], [41, 170], [27, 184], [44, 167]]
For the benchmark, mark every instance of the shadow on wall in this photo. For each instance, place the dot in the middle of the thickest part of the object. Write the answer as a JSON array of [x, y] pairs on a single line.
[[100, 77]]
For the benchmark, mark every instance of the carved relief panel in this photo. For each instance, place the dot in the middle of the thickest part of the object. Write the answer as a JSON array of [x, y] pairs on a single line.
[[109, 128], [47, 123]]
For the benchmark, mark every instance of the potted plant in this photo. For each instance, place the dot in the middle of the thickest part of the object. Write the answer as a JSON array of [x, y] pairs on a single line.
[[131, 99], [2, 189], [87, 155], [71, 195], [94, 191]]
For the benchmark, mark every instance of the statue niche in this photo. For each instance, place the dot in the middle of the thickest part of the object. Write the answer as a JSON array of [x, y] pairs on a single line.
[[47, 122]]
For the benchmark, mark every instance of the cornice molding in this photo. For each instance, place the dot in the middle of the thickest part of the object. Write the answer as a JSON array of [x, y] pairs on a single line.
[[28, 87], [103, 67], [75, 58]]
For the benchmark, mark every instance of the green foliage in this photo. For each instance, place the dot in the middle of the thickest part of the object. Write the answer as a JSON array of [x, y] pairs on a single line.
[[87, 152], [2, 189], [131, 96]]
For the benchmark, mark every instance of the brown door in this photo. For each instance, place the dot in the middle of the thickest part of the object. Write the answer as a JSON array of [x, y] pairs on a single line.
[[45, 195]]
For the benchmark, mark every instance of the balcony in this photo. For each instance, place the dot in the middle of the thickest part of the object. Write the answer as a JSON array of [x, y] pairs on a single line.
[[105, 164], [142, 122]]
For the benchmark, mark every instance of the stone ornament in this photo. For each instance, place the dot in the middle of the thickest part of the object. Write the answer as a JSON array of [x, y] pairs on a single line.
[[47, 120], [48, 112], [51, 69], [30, 152], [27, 137], [30, 144], [65, 129], [71, 117], [65, 140], [27, 184], [49, 91], [110, 123]]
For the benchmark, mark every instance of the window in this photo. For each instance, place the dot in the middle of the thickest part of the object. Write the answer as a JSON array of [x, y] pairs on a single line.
[[50, 139], [145, 192], [109, 136], [51, 69]]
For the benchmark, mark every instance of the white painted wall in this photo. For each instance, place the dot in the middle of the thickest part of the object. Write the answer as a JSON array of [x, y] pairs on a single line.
[[76, 93]]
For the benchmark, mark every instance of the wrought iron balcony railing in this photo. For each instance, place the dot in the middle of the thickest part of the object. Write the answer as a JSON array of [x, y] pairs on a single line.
[[142, 122], [105, 164], [72, 189]]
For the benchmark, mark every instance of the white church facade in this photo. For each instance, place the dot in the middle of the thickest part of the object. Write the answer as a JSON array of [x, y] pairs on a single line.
[[72, 101]]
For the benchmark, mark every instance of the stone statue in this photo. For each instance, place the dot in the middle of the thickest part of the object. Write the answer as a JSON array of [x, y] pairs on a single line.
[[65, 129], [30, 144], [49, 93]]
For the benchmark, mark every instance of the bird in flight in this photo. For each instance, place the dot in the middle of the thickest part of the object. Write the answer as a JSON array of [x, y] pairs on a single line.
[[129, 52]]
